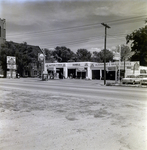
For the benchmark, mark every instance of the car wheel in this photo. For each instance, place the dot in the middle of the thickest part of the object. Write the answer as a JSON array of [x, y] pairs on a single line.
[[133, 82]]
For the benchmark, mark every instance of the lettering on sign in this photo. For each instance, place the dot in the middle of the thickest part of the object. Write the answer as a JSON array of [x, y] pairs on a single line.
[[99, 64], [76, 64], [111, 68], [92, 65], [54, 65], [86, 64]]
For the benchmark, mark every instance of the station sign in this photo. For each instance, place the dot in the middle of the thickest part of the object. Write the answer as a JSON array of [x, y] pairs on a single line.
[[11, 60], [40, 57], [11, 66]]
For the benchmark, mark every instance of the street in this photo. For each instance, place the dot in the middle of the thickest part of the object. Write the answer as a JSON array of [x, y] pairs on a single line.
[[71, 114], [93, 88]]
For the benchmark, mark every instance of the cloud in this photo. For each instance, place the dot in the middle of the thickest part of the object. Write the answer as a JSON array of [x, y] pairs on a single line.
[[102, 11], [75, 24], [121, 8], [94, 49]]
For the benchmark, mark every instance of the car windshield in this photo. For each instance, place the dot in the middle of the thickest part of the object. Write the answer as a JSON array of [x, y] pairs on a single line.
[[144, 76], [130, 76]]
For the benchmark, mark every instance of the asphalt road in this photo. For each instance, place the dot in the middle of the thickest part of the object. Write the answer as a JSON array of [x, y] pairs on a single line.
[[74, 87]]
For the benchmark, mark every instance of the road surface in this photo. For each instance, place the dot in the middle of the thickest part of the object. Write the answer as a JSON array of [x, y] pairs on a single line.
[[84, 88]]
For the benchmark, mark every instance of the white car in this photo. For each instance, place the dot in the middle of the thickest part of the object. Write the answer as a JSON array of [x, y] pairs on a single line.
[[143, 79], [131, 79]]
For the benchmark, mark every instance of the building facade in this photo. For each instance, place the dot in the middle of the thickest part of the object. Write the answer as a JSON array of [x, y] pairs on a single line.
[[34, 68], [2, 31], [93, 70]]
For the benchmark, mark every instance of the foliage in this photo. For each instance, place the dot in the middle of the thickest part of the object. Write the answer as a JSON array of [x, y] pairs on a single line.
[[63, 54], [83, 55], [138, 40], [49, 55], [125, 52], [96, 57], [99, 56]]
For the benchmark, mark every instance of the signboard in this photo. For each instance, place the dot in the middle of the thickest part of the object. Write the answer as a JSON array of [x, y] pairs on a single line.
[[111, 68], [40, 57], [76, 64], [54, 65], [11, 66], [11, 60]]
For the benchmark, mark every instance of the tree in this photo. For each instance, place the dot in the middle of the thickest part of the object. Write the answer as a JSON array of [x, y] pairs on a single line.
[[62, 54], [99, 56], [126, 54], [25, 54], [49, 55], [83, 55], [138, 40], [96, 57]]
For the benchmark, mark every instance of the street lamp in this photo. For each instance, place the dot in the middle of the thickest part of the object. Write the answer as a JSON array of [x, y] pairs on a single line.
[[41, 57]]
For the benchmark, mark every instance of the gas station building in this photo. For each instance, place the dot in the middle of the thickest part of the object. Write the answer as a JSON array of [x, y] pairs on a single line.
[[93, 70]]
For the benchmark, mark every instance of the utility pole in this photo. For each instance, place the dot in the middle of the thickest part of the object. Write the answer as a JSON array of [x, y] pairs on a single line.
[[119, 62], [106, 26]]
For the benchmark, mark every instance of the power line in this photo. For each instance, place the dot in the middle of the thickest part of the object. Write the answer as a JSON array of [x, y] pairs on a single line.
[[45, 45], [81, 40], [81, 26], [85, 27], [125, 19]]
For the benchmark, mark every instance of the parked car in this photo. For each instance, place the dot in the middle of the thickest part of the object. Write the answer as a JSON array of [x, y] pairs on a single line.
[[143, 79], [131, 79]]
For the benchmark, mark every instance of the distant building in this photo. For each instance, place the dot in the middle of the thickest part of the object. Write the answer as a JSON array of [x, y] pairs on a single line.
[[2, 31]]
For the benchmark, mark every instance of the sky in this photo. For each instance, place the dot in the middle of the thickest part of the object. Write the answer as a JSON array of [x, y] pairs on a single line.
[[70, 23]]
